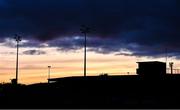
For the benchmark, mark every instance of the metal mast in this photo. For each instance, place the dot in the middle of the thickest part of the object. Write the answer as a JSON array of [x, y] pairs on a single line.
[[171, 67], [18, 39], [49, 67], [85, 30]]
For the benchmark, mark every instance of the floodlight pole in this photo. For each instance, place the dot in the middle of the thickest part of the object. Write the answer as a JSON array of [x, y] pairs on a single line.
[[166, 58], [171, 67], [85, 30], [85, 45], [18, 39], [49, 67]]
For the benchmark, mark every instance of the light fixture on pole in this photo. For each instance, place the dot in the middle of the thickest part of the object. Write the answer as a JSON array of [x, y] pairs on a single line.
[[18, 39], [85, 30], [49, 67], [171, 66]]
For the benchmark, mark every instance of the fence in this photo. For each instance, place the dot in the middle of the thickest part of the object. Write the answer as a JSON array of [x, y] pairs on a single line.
[[175, 71]]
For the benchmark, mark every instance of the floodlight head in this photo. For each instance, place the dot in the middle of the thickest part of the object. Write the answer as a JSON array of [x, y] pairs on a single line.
[[171, 64], [49, 66], [17, 38], [84, 29]]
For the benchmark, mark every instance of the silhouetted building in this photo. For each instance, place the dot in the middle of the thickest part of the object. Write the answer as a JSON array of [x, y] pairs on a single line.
[[152, 69]]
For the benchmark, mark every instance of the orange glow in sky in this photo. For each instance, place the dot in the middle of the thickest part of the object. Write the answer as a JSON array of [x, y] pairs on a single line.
[[34, 68]]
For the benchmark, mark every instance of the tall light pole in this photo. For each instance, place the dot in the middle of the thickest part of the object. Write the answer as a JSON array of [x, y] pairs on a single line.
[[85, 30], [166, 55], [171, 67], [18, 39], [49, 67], [166, 59]]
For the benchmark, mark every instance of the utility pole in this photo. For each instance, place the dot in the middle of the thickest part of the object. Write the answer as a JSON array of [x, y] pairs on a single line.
[[49, 67], [85, 30], [18, 39]]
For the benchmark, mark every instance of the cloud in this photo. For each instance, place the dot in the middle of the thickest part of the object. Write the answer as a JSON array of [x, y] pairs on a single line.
[[144, 27], [34, 52], [7, 53], [46, 19]]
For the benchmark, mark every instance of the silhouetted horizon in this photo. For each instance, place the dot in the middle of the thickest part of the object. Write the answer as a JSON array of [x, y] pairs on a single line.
[[87, 53], [118, 33]]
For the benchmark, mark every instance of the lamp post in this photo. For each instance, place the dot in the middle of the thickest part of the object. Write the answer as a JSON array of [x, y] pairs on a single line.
[[18, 39], [171, 67], [49, 67], [85, 30]]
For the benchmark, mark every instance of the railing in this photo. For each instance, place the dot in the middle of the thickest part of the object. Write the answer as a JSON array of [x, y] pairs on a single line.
[[175, 71]]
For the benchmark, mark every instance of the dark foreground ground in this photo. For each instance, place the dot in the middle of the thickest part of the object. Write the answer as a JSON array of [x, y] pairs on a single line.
[[97, 92]]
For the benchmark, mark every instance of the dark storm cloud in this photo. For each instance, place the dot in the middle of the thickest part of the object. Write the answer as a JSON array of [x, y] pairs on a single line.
[[144, 27]]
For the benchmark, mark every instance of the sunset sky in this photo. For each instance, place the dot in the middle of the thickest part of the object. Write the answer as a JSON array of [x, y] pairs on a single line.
[[124, 32]]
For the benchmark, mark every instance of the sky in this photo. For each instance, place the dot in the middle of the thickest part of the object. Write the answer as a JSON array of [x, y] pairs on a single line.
[[123, 32]]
